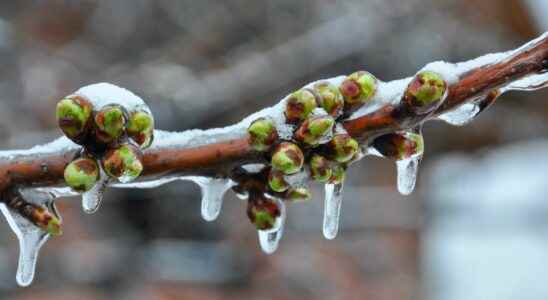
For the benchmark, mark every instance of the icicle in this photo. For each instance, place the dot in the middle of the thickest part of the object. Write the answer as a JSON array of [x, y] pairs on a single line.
[[461, 115], [270, 239], [213, 190], [407, 174], [332, 210], [91, 200]]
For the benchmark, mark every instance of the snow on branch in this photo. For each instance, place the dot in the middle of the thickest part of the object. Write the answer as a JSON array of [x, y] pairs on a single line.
[[268, 159]]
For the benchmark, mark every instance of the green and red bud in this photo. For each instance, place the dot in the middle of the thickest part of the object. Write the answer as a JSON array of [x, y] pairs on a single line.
[[82, 174], [314, 129], [287, 158], [425, 92], [44, 219], [262, 134], [277, 182], [338, 174], [110, 123], [73, 115], [297, 194], [320, 168], [329, 98], [140, 128], [123, 163], [263, 212], [342, 148], [299, 105], [358, 88], [399, 146]]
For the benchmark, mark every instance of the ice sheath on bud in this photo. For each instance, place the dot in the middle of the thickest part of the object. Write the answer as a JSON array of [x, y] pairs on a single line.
[[110, 123], [37, 214], [140, 128], [425, 92], [298, 194], [123, 163], [338, 174], [277, 182], [320, 169], [399, 146], [299, 105], [313, 130], [73, 116], [263, 212], [262, 134], [81, 174], [287, 158], [329, 98], [358, 88], [342, 148]]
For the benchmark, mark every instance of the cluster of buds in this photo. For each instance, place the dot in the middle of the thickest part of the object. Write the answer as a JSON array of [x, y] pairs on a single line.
[[112, 137]]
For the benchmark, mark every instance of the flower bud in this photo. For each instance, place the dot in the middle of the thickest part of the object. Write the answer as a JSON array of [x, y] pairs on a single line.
[[320, 168], [277, 182], [299, 105], [329, 98], [314, 129], [73, 117], [82, 174], [123, 163], [262, 134], [110, 122], [338, 175], [425, 92], [140, 128], [263, 212], [399, 146], [298, 194], [44, 219], [343, 147], [287, 158], [358, 88]]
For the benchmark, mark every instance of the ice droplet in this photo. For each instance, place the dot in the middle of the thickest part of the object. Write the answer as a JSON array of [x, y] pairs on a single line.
[[407, 174], [461, 115], [270, 239], [213, 190], [91, 200], [332, 210]]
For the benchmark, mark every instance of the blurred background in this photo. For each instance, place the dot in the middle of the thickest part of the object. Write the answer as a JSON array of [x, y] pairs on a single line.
[[475, 229]]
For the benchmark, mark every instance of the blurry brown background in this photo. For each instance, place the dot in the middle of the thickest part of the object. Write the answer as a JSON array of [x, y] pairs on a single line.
[[203, 64]]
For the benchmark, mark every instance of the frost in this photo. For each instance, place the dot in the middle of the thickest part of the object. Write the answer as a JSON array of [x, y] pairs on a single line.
[[213, 190], [102, 94], [461, 115], [332, 210], [407, 174], [270, 239]]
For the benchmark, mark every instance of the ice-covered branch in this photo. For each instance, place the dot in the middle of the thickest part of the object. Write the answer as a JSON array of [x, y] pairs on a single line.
[[315, 133]]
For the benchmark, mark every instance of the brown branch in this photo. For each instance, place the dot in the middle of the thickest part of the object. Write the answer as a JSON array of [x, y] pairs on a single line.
[[220, 159]]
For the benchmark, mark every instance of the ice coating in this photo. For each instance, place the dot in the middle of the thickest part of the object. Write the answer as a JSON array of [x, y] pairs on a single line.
[[407, 174], [61, 144], [269, 240], [91, 200], [461, 115], [213, 191], [529, 83], [102, 94], [332, 210]]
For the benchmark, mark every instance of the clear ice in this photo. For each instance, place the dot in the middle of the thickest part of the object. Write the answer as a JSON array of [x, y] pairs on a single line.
[[332, 210], [461, 115], [270, 239], [213, 190], [91, 200], [407, 174]]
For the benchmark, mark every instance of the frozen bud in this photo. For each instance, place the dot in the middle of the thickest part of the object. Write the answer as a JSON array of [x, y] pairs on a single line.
[[399, 145], [123, 163], [425, 92], [262, 134], [298, 194], [74, 117], [329, 98], [287, 158], [299, 105], [140, 128], [358, 88], [44, 219], [263, 212], [277, 182], [110, 122], [81, 174], [314, 129], [343, 147], [320, 168], [338, 174]]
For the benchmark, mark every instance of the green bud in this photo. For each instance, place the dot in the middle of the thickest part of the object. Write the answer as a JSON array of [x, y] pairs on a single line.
[[314, 129], [320, 168], [338, 175], [425, 92], [123, 163], [110, 122], [263, 212], [343, 147], [399, 146], [262, 134], [140, 128], [298, 194], [299, 105], [276, 181], [47, 221], [73, 116], [358, 88], [82, 174], [288, 158], [329, 98]]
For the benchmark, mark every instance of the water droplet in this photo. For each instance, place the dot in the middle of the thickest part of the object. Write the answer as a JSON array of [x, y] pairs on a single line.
[[213, 190], [461, 115], [91, 200], [332, 210], [270, 239], [407, 174]]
